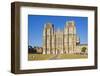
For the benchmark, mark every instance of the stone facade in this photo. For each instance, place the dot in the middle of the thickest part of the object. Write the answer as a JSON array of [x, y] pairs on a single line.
[[61, 41]]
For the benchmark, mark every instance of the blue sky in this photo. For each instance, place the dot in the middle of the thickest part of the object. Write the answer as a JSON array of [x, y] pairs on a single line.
[[36, 24]]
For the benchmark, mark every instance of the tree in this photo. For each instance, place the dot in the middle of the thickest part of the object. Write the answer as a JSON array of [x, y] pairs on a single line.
[[31, 50], [30, 47], [83, 50]]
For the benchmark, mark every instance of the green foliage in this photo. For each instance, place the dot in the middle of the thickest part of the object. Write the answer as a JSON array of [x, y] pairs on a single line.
[[83, 49]]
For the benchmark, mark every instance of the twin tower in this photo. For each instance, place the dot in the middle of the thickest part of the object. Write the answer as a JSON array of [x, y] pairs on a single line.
[[60, 41]]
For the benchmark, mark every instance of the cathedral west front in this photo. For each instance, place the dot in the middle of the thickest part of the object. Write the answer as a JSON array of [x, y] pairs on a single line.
[[57, 41]]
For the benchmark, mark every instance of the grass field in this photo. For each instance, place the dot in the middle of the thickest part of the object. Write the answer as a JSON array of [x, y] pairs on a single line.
[[39, 56], [72, 56], [54, 57]]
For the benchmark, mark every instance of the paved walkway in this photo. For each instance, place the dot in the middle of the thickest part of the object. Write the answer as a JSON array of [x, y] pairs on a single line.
[[55, 57]]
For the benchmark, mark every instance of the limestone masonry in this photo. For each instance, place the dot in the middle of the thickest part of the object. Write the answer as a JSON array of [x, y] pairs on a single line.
[[61, 41]]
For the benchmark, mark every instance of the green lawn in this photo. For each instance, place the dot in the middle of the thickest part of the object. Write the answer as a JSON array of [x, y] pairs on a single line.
[[72, 56], [39, 56], [52, 56]]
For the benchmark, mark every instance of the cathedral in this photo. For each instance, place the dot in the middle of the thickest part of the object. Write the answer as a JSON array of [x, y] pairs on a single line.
[[61, 41]]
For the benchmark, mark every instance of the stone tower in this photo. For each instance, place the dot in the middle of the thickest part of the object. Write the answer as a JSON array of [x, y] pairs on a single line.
[[48, 38], [71, 29], [66, 38]]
